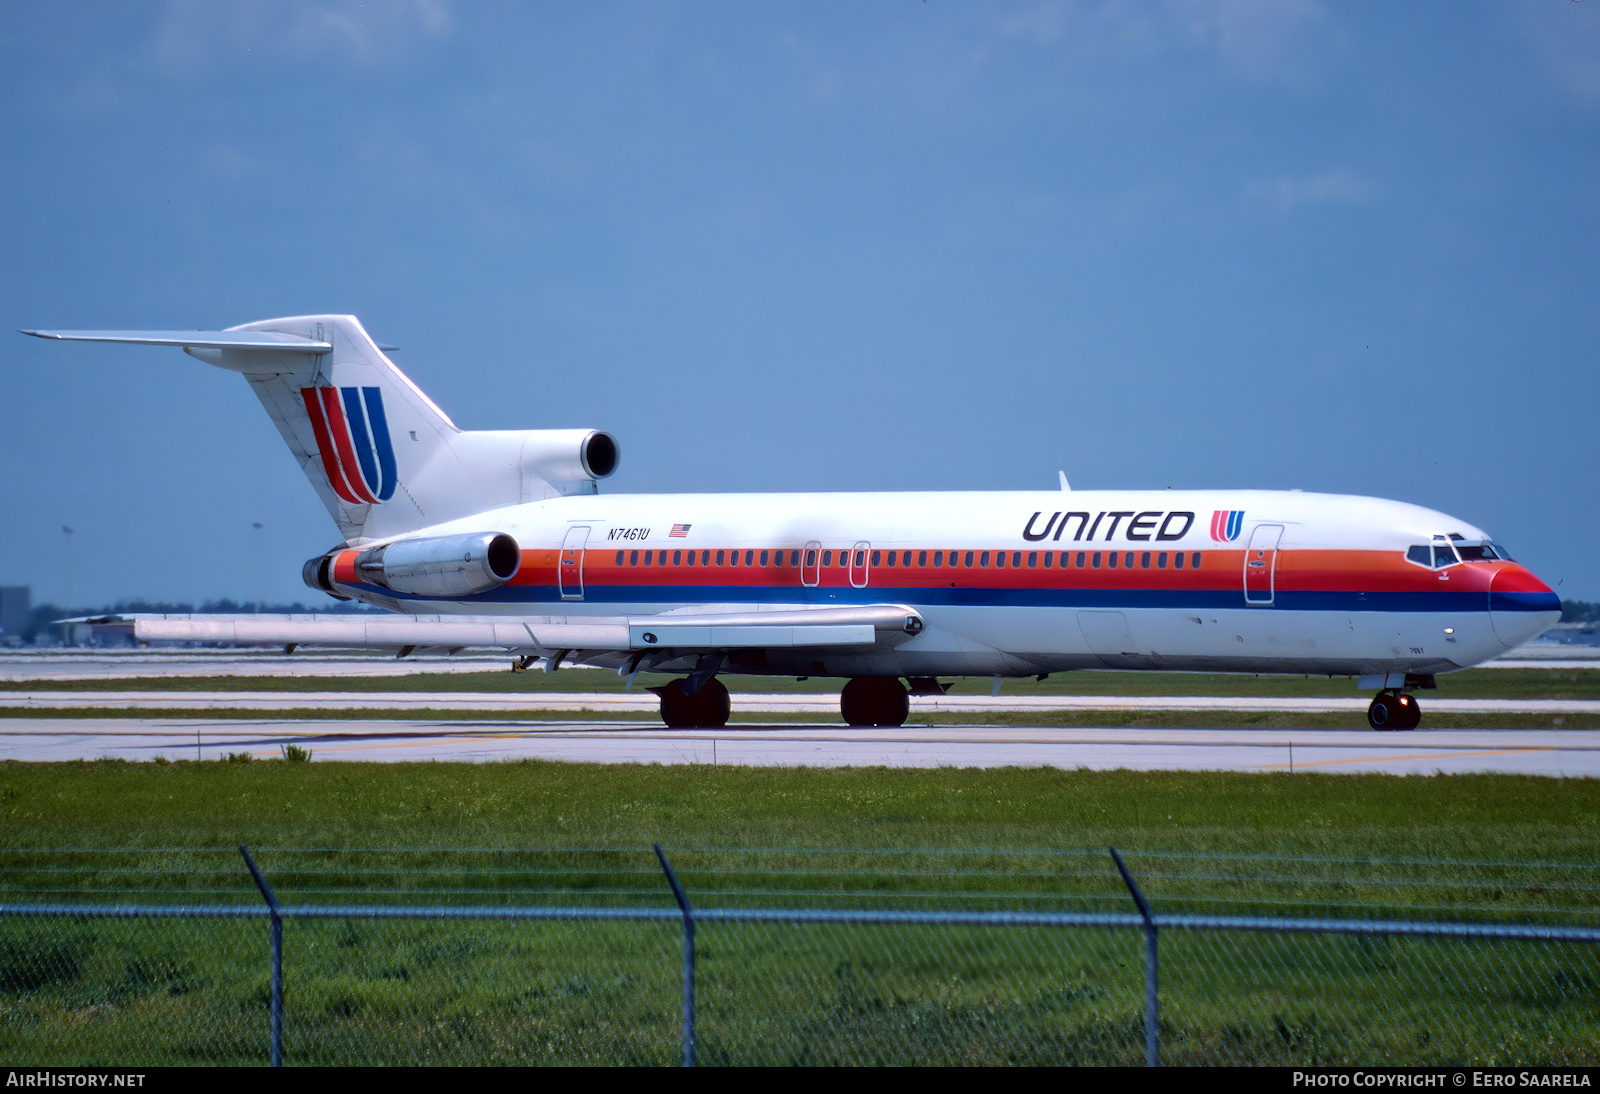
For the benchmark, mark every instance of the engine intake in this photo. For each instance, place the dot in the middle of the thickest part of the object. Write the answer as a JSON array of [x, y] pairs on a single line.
[[443, 565]]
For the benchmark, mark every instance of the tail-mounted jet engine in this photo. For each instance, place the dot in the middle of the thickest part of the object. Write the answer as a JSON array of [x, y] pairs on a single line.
[[570, 455], [436, 566]]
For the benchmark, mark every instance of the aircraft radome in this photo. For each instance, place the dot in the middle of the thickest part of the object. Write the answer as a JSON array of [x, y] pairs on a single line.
[[503, 539]]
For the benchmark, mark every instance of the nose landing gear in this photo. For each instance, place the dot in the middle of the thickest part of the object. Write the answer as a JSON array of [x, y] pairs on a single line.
[[1391, 710]]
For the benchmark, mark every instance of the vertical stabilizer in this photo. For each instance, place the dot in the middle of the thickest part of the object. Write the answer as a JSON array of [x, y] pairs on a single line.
[[382, 457], [363, 433]]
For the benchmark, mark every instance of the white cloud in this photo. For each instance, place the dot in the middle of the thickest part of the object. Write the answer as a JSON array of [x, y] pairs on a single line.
[[1567, 36], [1286, 192], [193, 34], [1252, 35]]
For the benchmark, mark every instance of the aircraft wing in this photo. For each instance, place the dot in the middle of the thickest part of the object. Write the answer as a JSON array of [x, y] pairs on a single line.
[[684, 631]]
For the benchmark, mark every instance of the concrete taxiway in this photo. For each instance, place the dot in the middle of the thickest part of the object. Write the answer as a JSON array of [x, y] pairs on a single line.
[[825, 706], [1554, 753]]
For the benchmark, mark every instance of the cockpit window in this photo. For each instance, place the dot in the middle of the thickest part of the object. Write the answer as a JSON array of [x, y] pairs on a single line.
[[1435, 556], [1483, 550], [1478, 550]]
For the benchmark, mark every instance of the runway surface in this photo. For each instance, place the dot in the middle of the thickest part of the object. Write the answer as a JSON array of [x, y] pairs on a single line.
[[824, 705], [1557, 753]]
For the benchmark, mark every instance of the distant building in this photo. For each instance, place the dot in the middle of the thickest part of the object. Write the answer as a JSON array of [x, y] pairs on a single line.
[[16, 605]]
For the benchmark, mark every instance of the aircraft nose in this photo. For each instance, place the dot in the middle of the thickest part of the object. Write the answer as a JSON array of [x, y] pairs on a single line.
[[1521, 607]]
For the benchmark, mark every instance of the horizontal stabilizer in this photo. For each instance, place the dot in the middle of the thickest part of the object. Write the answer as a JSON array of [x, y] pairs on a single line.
[[193, 339]]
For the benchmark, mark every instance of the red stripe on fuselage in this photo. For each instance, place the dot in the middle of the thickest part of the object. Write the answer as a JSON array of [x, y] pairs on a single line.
[[1303, 570]]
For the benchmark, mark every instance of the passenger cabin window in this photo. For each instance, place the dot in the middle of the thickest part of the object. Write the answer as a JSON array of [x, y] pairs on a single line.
[[619, 558], [983, 561], [1033, 559], [827, 558], [1000, 560], [969, 560], [720, 556], [1112, 560], [764, 557], [922, 558], [1094, 560]]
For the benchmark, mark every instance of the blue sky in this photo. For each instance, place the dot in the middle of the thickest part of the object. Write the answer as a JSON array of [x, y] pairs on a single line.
[[794, 246]]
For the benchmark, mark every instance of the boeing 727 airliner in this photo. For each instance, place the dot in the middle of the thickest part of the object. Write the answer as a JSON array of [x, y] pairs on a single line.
[[502, 539]]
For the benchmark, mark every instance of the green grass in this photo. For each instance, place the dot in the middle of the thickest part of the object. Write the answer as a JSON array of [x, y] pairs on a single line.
[[1482, 847], [114, 804], [1532, 683]]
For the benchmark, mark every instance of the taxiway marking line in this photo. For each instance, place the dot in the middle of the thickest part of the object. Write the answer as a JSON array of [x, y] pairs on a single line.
[[412, 744], [1429, 756]]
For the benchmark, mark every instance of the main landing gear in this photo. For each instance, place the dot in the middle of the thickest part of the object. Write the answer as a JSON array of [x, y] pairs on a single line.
[[874, 701], [707, 708], [1394, 710], [865, 701]]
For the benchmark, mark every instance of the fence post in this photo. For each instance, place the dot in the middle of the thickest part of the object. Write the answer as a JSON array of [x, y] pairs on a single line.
[[277, 958], [1152, 1036], [688, 956]]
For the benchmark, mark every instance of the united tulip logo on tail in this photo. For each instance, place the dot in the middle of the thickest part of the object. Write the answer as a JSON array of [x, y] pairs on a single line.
[[353, 437], [1226, 524]]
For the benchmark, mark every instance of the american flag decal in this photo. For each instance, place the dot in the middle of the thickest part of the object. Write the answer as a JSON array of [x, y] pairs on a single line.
[[679, 531]]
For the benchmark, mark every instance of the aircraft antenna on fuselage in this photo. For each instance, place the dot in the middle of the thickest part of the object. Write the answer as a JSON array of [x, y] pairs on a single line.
[[1065, 485]]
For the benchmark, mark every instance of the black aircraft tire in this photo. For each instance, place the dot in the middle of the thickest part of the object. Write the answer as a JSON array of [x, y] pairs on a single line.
[[1382, 714], [1409, 715], [707, 708], [874, 701]]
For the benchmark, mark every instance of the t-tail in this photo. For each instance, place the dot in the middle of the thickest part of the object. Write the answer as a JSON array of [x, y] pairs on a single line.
[[382, 456]]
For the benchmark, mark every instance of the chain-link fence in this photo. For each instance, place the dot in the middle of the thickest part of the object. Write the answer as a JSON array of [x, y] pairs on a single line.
[[403, 977]]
